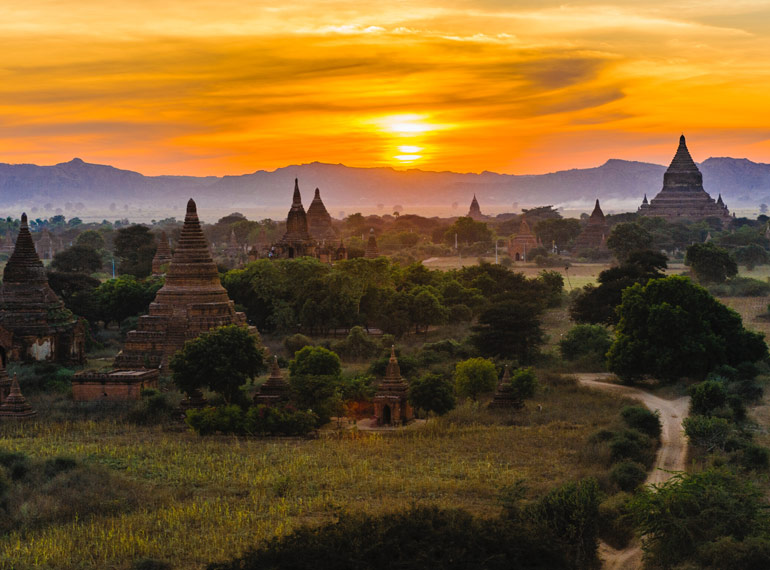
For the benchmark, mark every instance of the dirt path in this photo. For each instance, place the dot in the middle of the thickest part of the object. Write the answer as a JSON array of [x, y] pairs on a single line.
[[670, 457]]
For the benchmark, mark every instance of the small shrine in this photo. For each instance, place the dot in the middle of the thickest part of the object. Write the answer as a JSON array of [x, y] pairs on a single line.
[[522, 243], [504, 398], [371, 251], [391, 407], [15, 405], [275, 389]]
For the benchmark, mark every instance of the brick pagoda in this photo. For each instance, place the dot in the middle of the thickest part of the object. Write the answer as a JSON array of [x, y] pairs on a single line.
[[319, 222], [594, 235], [503, 398], [391, 406], [15, 405], [275, 389], [371, 250], [34, 323], [522, 243], [296, 242]]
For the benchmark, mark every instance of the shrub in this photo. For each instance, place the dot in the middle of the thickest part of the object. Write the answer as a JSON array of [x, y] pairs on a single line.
[[432, 393], [628, 475], [296, 342], [707, 397], [751, 553], [706, 432], [461, 313], [523, 383], [357, 345], [633, 445], [643, 420], [755, 457], [615, 527], [259, 420]]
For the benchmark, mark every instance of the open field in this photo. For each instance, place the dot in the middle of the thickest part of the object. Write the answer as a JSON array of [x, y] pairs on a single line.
[[227, 493]]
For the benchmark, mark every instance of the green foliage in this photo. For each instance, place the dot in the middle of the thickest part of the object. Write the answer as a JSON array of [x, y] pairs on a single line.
[[358, 345], [474, 376], [710, 263], [557, 231], [221, 360], [643, 420], [135, 246], [752, 255], [740, 287], [627, 238], [672, 328], [258, 420], [423, 537], [553, 285], [90, 238], [585, 341], [77, 259], [615, 526], [509, 329], [315, 361], [707, 432], [432, 393], [630, 444], [523, 383], [296, 342], [707, 397], [752, 553], [692, 511], [628, 475], [124, 297], [468, 232]]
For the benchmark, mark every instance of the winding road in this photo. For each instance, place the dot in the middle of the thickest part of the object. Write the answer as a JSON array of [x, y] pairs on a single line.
[[671, 455]]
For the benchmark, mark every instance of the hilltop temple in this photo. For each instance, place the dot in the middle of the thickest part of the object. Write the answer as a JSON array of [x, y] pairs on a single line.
[[594, 235], [191, 302], [682, 196], [34, 323]]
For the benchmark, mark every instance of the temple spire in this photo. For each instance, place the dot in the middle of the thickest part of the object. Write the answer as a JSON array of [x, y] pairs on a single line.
[[297, 198]]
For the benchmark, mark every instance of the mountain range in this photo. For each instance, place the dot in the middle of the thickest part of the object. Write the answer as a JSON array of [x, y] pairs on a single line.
[[77, 186]]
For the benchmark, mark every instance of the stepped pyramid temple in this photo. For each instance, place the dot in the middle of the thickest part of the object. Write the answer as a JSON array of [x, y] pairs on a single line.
[[191, 302], [371, 251], [275, 389], [14, 404], [391, 406], [34, 323], [522, 242], [504, 397], [475, 211], [319, 222], [683, 196], [162, 255], [594, 235]]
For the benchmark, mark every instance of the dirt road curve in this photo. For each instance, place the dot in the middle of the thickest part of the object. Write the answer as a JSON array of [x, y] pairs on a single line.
[[671, 455]]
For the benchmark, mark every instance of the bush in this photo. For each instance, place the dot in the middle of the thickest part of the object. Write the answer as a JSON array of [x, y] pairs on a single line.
[[357, 345], [628, 475], [523, 383], [755, 457], [706, 432], [615, 527], [259, 420], [707, 397], [633, 445], [296, 342], [460, 313], [643, 420], [432, 393], [751, 553], [585, 340]]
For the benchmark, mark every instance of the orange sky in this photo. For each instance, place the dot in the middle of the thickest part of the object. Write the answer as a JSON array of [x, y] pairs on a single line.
[[227, 87]]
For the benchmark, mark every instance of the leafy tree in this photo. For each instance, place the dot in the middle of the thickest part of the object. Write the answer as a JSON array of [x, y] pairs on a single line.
[[77, 259], [426, 309], [688, 512], [597, 304], [221, 360], [92, 239], [509, 329], [475, 376], [78, 291], [625, 239], [135, 246], [711, 263], [523, 383], [707, 397], [125, 296], [468, 231], [585, 340], [432, 393], [672, 328], [315, 361], [752, 255], [557, 230]]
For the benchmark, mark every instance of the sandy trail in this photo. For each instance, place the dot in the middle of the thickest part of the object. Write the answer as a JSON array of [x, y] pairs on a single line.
[[671, 455]]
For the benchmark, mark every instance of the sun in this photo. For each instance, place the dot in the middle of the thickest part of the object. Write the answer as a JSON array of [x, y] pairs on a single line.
[[407, 135]]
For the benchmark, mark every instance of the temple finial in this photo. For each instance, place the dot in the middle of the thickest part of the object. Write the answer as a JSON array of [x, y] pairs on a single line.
[[191, 207]]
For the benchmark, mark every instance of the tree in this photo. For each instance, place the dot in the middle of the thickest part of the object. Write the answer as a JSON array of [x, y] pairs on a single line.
[[315, 361], [585, 340], [523, 383], [752, 255], [425, 309], [135, 246], [221, 360], [673, 328], [711, 263], [626, 238], [125, 296], [475, 376], [509, 329], [557, 230], [468, 231], [77, 259], [432, 393], [92, 239]]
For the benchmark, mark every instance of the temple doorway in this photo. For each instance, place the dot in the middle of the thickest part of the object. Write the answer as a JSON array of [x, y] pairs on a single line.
[[386, 419]]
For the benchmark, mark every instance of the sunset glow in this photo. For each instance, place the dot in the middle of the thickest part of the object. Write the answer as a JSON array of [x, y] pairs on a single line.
[[203, 87]]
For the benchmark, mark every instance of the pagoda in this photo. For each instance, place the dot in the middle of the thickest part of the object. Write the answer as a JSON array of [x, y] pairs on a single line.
[[275, 389], [296, 242], [391, 406], [504, 397], [522, 243], [15, 405], [475, 211], [5, 381], [162, 255], [191, 302], [319, 222], [682, 196], [594, 235], [34, 323], [371, 250], [341, 253]]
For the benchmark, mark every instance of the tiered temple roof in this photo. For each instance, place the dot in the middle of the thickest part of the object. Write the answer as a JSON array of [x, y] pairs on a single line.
[[296, 242], [594, 235], [15, 405], [318, 219], [682, 196], [41, 327], [275, 389], [371, 250], [191, 302], [162, 255], [504, 397]]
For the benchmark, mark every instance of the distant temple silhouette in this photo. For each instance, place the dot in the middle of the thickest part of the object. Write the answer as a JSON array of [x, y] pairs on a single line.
[[475, 210], [682, 196], [594, 235]]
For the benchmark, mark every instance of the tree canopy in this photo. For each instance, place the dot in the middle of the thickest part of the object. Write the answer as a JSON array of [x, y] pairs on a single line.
[[710, 263], [475, 376]]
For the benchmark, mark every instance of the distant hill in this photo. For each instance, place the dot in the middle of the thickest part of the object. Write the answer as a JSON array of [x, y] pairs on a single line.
[[619, 183]]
